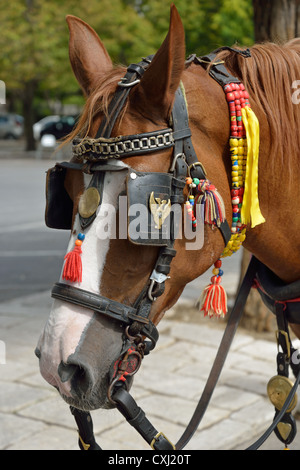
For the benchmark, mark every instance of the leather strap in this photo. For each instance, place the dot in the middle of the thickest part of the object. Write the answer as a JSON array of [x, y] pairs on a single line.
[[134, 73], [218, 71], [136, 417], [86, 438], [223, 350], [105, 306]]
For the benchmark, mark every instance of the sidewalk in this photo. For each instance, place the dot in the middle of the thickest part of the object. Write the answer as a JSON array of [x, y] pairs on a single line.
[[167, 387]]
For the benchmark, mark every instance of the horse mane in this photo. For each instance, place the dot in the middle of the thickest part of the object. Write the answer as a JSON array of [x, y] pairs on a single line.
[[97, 103], [268, 76]]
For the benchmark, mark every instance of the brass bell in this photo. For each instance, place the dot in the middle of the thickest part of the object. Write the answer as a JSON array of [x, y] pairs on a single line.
[[278, 390]]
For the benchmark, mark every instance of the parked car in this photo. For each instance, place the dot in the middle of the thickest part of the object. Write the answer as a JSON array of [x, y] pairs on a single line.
[[39, 126], [60, 128], [11, 126]]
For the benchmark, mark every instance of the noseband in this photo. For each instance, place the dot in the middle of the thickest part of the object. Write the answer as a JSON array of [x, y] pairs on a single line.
[[94, 156]]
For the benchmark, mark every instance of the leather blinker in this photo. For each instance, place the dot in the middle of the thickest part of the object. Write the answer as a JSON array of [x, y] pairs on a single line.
[[150, 199], [59, 205]]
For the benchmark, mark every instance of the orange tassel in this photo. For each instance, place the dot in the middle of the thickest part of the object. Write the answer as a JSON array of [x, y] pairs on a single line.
[[73, 266], [213, 300]]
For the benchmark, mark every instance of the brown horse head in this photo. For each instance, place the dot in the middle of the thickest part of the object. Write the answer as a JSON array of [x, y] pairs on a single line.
[[80, 347]]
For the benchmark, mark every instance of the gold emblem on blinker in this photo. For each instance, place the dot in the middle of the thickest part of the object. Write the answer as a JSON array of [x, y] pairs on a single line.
[[160, 209], [278, 390], [89, 202]]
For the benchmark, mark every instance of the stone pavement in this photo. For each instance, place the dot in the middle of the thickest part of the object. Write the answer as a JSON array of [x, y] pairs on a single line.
[[167, 387]]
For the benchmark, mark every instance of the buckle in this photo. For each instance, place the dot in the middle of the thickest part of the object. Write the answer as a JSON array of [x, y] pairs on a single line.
[[195, 164], [156, 439]]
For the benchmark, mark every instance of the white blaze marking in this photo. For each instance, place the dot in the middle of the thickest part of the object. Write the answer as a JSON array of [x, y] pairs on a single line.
[[67, 322]]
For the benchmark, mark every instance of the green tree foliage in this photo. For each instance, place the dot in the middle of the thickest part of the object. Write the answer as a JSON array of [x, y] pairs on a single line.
[[208, 24], [34, 34], [34, 60]]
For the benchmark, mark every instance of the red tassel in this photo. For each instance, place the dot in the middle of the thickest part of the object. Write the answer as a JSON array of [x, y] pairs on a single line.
[[213, 300], [73, 266]]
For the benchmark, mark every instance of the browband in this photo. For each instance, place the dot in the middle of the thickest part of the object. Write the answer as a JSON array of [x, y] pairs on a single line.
[[125, 146]]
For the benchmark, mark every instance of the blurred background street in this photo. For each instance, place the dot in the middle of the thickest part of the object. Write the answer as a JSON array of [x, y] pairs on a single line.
[[40, 101], [31, 255]]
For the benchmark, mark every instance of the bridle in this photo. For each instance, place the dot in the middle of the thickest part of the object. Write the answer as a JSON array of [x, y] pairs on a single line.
[[94, 156]]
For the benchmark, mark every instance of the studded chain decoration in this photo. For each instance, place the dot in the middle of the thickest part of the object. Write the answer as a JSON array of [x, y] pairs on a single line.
[[117, 147]]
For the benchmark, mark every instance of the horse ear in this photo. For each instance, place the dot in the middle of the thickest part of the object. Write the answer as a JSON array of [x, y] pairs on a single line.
[[156, 93], [88, 56]]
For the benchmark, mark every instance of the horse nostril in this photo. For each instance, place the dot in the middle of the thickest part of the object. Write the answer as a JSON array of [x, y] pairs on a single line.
[[67, 371], [37, 352]]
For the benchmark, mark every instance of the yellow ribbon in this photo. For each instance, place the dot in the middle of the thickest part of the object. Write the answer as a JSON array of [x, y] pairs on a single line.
[[250, 208]]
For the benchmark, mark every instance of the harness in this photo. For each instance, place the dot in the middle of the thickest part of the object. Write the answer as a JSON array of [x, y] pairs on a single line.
[[95, 157]]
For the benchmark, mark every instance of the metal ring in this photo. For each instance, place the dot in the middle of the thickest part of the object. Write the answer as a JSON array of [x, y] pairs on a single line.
[[128, 84], [110, 390], [131, 338], [120, 375]]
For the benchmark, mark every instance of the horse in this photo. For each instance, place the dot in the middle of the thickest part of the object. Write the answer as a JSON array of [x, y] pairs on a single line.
[[80, 346]]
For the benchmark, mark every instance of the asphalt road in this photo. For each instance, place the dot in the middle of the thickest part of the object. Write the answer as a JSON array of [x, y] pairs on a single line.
[[30, 253]]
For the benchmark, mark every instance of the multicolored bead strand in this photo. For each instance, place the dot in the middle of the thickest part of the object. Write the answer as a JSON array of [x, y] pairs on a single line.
[[190, 203], [237, 98], [214, 300]]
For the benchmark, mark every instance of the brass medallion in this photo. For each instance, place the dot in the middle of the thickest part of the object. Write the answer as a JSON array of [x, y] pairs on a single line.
[[160, 209], [278, 389], [89, 202]]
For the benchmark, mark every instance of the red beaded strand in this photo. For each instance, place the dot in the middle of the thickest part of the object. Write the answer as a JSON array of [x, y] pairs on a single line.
[[237, 98], [213, 301]]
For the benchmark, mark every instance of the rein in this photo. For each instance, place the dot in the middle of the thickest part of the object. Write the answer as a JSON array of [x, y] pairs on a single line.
[[92, 156]]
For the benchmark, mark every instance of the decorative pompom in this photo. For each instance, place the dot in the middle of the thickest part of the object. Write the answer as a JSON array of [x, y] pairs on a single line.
[[73, 266], [213, 301], [214, 209]]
